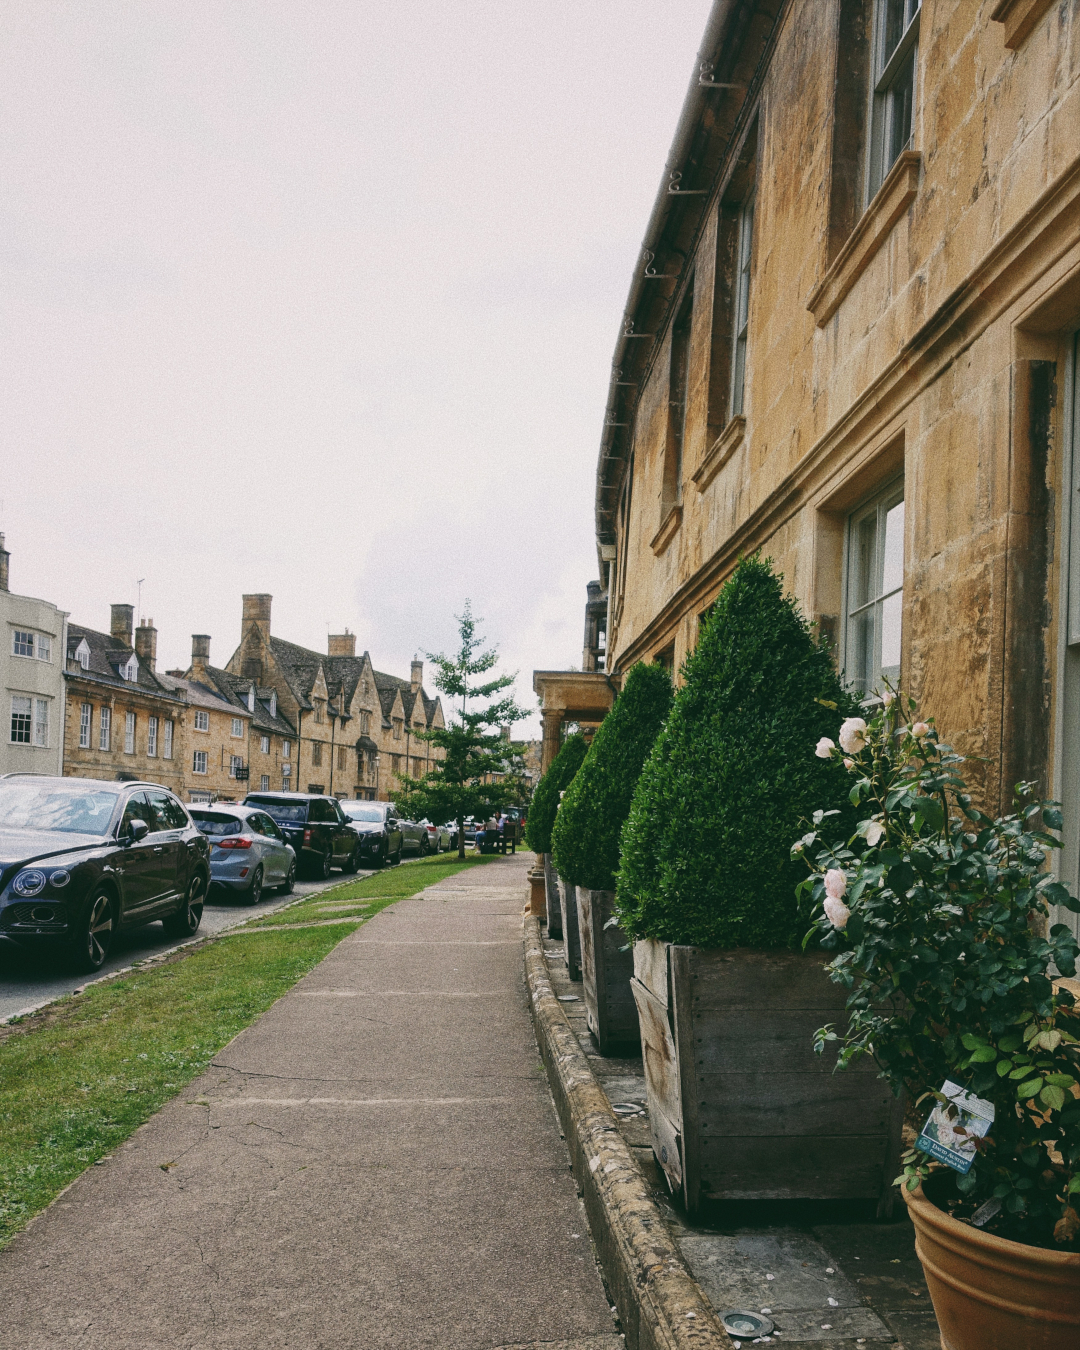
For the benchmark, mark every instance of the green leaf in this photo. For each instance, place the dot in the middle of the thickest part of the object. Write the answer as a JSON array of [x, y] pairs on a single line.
[[856, 928], [1053, 818], [986, 1054], [970, 1041], [1029, 1089], [1053, 1097], [1004, 1065]]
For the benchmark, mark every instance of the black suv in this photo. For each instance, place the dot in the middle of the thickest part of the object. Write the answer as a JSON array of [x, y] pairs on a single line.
[[81, 859], [317, 828]]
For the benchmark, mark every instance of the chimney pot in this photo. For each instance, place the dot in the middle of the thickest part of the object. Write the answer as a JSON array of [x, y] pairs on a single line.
[[4, 559], [341, 644], [200, 649], [417, 676], [257, 608], [122, 622]]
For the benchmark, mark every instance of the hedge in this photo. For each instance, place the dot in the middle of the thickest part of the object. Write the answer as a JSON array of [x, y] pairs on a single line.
[[585, 840], [706, 846], [545, 800]]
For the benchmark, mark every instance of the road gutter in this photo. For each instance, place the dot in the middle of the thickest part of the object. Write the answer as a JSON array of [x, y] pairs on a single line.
[[660, 1304]]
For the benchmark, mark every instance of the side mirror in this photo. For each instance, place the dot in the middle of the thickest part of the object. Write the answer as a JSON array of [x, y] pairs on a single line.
[[137, 831]]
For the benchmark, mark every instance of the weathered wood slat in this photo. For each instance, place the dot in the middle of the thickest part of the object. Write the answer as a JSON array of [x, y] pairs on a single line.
[[769, 1104], [570, 928], [651, 967], [606, 971], [661, 1082], [739, 1041], [742, 978], [554, 899], [838, 1167]]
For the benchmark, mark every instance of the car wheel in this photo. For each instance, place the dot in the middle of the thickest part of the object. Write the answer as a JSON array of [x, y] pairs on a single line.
[[395, 861], [290, 879], [425, 847], [93, 938], [254, 891], [353, 862], [323, 865], [185, 922]]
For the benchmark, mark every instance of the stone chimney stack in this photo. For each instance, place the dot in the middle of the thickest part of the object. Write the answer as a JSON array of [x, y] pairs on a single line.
[[341, 644], [200, 655], [123, 620], [146, 644], [417, 675], [4, 558], [254, 635]]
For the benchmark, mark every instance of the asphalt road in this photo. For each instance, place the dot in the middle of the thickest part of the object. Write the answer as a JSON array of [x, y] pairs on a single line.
[[27, 980]]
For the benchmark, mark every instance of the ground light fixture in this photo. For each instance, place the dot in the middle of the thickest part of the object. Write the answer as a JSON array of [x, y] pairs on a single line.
[[740, 1322]]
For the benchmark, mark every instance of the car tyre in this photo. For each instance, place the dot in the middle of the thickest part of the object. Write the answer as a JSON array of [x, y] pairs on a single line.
[[323, 866], [395, 861], [289, 884], [185, 922], [425, 847], [253, 894], [93, 938], [353, 863]]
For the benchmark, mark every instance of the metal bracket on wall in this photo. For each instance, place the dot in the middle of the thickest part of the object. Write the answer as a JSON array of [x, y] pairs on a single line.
[[650, 273], [616, 372], [706, 81], [674, 190], [628, 331]]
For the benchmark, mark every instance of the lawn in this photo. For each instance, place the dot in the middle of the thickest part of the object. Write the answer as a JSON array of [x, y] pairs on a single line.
[[77, 1078]]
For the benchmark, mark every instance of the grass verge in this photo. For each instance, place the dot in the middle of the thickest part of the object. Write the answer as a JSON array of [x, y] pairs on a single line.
[[355, 897], [79, 1077]]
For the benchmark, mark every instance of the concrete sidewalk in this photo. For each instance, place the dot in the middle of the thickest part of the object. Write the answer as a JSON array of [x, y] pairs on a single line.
[[375, 1162]]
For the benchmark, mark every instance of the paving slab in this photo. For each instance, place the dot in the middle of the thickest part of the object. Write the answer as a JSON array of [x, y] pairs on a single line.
[[374, 1162]]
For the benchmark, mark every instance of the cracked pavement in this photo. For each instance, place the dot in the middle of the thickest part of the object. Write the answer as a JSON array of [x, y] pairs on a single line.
[[374, 1162]]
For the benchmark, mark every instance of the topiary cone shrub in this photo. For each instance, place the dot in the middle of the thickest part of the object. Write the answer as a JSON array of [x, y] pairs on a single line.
[[585, 837], [706, 846], [545, 802], [585, 847], [740, 1108]]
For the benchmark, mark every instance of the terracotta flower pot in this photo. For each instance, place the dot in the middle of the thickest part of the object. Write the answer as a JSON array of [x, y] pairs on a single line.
[[990, 1293]]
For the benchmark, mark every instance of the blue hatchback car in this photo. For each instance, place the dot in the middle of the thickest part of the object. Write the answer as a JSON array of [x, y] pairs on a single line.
[[248, 852]]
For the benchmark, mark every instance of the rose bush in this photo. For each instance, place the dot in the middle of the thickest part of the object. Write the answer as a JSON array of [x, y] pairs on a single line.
[[939, 918]]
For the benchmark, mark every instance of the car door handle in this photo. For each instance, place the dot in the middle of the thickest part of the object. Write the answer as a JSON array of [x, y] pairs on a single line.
[[159, 849]]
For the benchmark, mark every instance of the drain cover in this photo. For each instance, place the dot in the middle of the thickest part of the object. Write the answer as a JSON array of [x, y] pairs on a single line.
[[742, 1323], [569, 998], [627, 1109]]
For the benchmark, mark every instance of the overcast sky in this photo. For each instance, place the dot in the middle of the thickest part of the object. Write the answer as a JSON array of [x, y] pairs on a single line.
[[319, 298]]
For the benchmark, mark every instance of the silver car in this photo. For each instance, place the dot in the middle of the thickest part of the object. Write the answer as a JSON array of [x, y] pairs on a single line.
[[248, 852]]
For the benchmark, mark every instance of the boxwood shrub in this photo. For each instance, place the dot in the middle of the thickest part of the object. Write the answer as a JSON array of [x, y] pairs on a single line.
[[545, 800], [585, 839], [706, 846]]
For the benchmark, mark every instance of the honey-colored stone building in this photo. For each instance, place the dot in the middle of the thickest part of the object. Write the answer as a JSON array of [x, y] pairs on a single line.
[[851, 342], [355, 727]]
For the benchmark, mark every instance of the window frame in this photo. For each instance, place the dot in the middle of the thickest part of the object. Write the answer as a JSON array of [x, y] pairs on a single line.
[[202, 720], [86, 726], [151, 736], [886, 70], [130, 722], [878, 503], [740, 337], [167, 738], [105, 729], [23, 733], [237, 729], [235, 762], [264, 745], [199, 756]]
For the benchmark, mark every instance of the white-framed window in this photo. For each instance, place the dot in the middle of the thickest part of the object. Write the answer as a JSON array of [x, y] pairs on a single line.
[[874, 590], [22, 716], [286, 749], [129, 733], [399, 726], [105, 729], [235, 762], [44, 647], [86, 715], [273, 702], [41, 722], [198, 763], [286, 770], [130, 669], [167, 729], [893, 81], [202, 721], [742, 305], [200, 797], [151, 737], [82, 654], [264, 783], [24, 642], [264, 745], [237, 727]]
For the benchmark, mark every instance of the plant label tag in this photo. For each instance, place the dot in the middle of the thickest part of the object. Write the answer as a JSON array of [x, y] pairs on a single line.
[[950, 1132]]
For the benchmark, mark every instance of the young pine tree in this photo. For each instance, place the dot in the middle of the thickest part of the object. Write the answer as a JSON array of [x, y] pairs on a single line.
[[545, 802], [585, 838], [732, 776], [477, 773]]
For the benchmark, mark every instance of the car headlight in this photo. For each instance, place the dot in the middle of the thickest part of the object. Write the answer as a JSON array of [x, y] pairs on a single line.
[[30, 882], [59, 878]]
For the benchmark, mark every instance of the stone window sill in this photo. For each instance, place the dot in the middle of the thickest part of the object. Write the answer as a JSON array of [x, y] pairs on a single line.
[[1019, 18], [667, 531], [723, 448], [893, 198]]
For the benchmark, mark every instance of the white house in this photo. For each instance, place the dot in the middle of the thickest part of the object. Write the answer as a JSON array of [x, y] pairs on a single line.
[[33, 641]]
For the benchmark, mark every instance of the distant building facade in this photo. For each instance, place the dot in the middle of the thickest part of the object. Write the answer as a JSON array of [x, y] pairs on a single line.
[[33, 634]]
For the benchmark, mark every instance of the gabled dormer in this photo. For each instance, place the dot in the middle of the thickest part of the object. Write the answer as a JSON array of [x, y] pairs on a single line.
[[81, 654], [128, 668]]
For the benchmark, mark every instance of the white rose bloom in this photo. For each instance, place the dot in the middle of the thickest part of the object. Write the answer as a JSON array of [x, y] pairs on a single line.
[[824, 748], [920, 729], [874, 831], [837, 913], [835, 884], [887, 698], [853, 735]]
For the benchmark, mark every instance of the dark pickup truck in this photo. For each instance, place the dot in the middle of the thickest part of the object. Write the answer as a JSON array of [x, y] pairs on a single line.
[[319, 831]]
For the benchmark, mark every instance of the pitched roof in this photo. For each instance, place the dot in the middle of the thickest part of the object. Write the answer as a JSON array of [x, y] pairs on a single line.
[[300, 666], [235, 689], [107, 656], [202, 696]]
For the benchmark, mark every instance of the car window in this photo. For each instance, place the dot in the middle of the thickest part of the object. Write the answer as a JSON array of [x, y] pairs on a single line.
[[254, 823], [137, 808], [168, 813], [268, 827], [367, 813], [321, 811], [214, 823], [280, 811], [71, 808]]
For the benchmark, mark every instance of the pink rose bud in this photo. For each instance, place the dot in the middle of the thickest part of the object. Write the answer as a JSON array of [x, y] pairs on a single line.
[[920, 729], [848, 763], [835, 884]]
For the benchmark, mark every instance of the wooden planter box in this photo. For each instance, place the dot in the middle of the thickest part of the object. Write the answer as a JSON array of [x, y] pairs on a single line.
[[554, 901], [606, 971], [570, 928], [741, 1108]]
